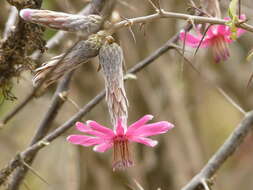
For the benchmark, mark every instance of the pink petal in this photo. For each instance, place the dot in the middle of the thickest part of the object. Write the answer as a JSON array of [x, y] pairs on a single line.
[[100, 128], [25, 14], [193, 41], [223, 30], [212, 31], [84, 128], [139, 123], [84, 140], [143, 140], [153, 129], [242, 17], [119, 128], [240, 32], [102, 147]]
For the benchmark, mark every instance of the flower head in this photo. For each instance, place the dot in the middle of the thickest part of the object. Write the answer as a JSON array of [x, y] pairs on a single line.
[[217, 37], [104, 138]]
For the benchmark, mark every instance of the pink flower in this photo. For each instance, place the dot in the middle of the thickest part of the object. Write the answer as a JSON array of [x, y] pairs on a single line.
[[104, 138], [217, 37]]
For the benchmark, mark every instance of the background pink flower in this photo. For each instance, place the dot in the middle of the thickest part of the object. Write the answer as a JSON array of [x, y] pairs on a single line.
[[217, 37]]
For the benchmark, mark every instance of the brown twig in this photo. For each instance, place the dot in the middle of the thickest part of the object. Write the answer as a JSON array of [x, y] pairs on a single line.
[[166, 14], [57, 102]]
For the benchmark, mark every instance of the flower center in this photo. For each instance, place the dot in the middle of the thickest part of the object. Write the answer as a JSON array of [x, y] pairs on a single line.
[[220, 49], [121, 154]]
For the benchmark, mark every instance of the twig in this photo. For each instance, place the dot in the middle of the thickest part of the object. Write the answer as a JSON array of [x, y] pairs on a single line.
[[224, 152], [166, 14], [43, 129]]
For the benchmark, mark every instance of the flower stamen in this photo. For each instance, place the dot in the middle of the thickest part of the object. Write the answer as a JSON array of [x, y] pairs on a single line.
[[121, 153]]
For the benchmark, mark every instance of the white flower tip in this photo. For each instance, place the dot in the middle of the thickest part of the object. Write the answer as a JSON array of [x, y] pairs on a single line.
[[182, 31], [170, 125], [25, 14], [149, 116], [96, 149], [68, 138], [88, 122], [153, 143]]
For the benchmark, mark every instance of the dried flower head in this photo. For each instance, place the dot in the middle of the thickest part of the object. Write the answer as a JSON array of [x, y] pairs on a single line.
[[57, 67], [63, 21], [111, 60]]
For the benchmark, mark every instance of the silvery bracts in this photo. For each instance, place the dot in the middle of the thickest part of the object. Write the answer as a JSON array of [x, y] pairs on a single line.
[[86, 25], [81, 53], [111, 59]]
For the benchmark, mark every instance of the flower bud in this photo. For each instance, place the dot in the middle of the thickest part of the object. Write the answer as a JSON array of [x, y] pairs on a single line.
[[63, 21], [111, 61]]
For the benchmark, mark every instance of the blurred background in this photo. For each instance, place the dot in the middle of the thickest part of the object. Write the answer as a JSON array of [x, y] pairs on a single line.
[[168, 89]]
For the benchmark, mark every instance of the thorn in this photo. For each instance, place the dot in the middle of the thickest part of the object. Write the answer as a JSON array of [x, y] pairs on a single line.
[[202, 40], [26, 185], [130, 76], [74, 103], [35, 172], [44, 143], [129, 23], [63, 95], [132, 33], [138, 184], [231, 101], [203, 182], [153, 5], [142, 28]]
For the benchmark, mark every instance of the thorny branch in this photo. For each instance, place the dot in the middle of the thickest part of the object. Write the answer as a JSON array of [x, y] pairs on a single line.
[[166, 14], [56, 104]]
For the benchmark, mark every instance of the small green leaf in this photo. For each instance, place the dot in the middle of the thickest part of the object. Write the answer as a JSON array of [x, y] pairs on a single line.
[[232, 9], [234, 19]]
